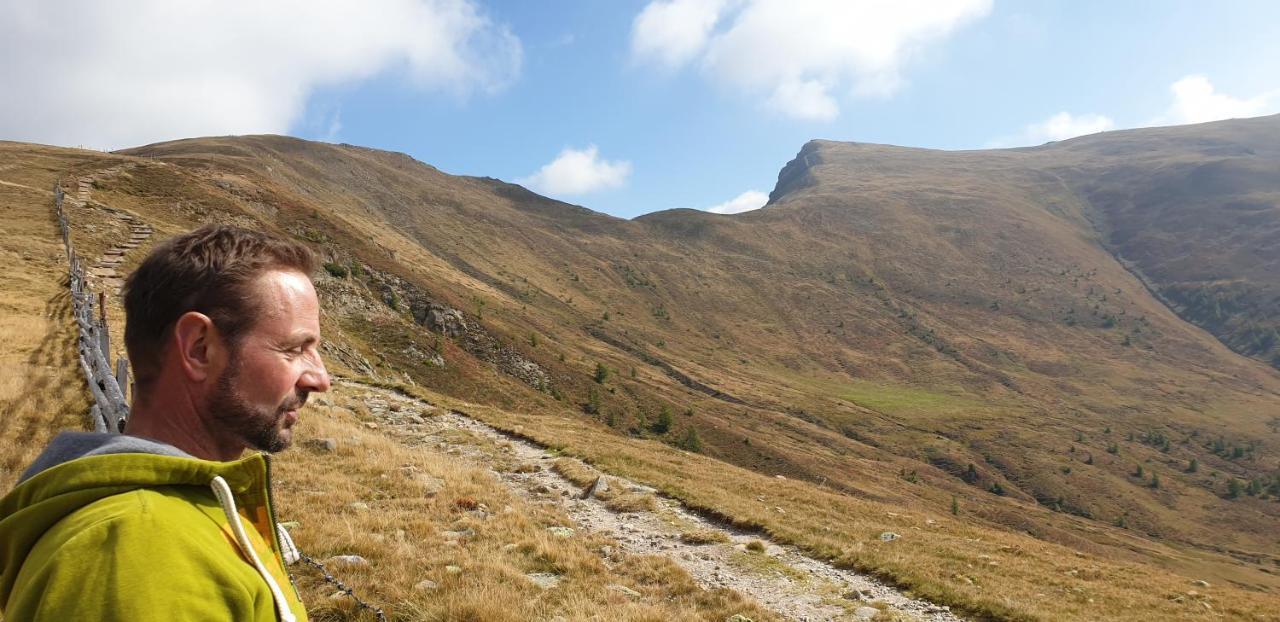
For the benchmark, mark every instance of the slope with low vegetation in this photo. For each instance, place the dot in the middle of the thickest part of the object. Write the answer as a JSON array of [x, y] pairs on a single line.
[[908, 335]]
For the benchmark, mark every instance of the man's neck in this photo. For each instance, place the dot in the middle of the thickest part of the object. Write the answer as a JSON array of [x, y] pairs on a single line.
[[180, 425]]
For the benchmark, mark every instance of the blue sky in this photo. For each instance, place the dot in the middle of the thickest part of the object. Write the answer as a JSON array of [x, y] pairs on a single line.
[[677, 116]]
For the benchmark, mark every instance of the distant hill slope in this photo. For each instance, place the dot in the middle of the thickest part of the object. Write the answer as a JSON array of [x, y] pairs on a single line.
[[948, 308], [899, 325]]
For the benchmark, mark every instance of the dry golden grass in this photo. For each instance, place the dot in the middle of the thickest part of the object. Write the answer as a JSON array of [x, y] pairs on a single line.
[[982, 571], [704, 536], [414, 495], [42, 390]]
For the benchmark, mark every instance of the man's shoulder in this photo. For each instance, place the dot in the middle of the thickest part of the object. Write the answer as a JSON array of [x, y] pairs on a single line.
[[148, 510]]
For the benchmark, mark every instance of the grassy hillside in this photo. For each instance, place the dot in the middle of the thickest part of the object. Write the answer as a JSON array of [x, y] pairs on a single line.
[[899, 329]]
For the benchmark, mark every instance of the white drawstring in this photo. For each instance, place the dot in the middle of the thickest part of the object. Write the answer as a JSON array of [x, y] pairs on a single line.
[[288, 549], [223, 492]]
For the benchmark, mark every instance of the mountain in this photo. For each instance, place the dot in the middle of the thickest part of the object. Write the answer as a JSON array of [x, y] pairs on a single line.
[[1073, 342]]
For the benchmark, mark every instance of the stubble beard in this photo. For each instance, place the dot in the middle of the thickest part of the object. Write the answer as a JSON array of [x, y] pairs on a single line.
[[255, 427]]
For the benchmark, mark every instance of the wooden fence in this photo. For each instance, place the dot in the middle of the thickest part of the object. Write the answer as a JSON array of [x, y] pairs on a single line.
[[110, 408]]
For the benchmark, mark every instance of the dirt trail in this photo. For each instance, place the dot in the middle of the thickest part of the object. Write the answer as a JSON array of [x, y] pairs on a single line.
[[780, 577], [103, 272]]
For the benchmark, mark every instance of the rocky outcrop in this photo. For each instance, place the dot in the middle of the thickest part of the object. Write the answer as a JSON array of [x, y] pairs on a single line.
[[401, 295]]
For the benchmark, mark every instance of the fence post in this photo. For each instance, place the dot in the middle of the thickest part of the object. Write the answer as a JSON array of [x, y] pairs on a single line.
[[110, 408], [104, 334], [122, 377]]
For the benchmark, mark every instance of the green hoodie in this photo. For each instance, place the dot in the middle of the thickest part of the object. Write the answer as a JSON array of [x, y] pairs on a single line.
[[110, 527]]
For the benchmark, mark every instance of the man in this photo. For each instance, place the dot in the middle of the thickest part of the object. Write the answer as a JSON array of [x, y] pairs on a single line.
[[168, 521]]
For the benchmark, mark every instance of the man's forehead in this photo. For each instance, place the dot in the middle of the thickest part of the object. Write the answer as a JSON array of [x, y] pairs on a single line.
[[286, 295]]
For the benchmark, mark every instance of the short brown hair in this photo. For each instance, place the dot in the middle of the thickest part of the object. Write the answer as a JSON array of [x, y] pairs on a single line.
[[208, 271]]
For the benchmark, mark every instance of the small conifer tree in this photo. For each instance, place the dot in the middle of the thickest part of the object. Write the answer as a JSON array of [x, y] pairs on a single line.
[[663, 424]]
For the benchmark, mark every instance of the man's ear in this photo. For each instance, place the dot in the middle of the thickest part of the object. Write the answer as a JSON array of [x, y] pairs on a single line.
[[198, 345]]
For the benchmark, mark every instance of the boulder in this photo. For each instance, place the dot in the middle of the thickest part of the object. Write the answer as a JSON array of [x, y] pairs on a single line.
[[624, 590], [544, 580], [347, 560], [324, 445]]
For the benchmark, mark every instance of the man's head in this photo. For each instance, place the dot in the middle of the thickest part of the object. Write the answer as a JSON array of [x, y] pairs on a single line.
[[223, 324]]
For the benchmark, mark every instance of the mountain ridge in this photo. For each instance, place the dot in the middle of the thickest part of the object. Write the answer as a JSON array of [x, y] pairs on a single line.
[[908, 328]]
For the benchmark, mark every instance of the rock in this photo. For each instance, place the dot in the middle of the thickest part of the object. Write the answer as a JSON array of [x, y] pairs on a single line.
[[865, 613], [857, 595], [325, 445], [508, 548], [738, 617], [596, 487], [443, 320], [624, 590], [451, 569], [337, 595], [426, 585], [347, 560], [560, 532], [462, 533], [889, 536], [371, 425], [1200, 583], [544, 580], [359, 506], [431, 485]]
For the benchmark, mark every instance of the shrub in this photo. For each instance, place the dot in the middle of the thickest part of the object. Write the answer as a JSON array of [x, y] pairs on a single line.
[[602, 373], [690, 441], [755, 546], [336, 270]]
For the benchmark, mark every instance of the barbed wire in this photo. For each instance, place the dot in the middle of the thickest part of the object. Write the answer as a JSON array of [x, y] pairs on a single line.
[[342, 587]]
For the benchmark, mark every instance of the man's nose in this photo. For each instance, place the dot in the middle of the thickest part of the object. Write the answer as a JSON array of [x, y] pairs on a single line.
[[316, 378]]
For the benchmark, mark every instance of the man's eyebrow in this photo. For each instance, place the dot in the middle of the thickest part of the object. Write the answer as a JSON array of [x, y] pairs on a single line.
[[304, 339]]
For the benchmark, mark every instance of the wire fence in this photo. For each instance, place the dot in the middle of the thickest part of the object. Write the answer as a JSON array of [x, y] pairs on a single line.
[[110, 408]]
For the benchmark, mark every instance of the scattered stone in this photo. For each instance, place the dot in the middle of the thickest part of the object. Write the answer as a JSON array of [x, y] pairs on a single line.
[[624, 590], [544, 580], [560, 532], [347, 560], [857, 595], [597, 487], [889, 536], [431, 485], [738, 617], [865, 613], [327, 445], [426, 585]]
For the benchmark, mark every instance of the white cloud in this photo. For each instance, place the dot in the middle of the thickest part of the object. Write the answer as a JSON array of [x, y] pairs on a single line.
[[745, 202], [1196, 101], [673, 32], [1060, 126], [799, 56], [578, 171], [115, 74]]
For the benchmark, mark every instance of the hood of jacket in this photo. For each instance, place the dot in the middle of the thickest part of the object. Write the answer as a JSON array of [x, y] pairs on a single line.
[[79, 468]]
